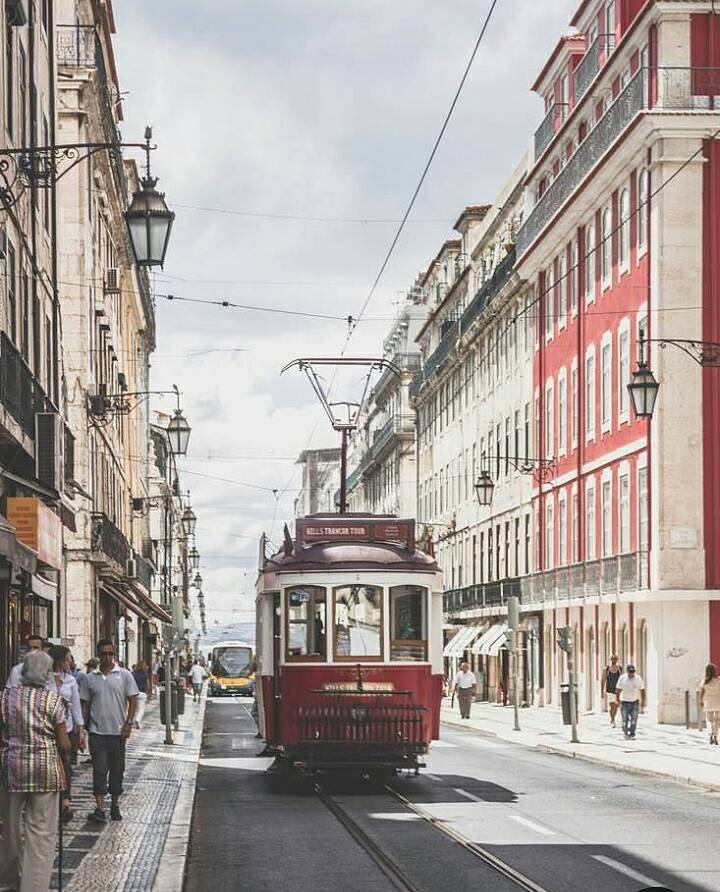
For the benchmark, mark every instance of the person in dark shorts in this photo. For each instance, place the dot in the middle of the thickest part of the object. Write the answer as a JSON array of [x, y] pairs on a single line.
[[610, 679]]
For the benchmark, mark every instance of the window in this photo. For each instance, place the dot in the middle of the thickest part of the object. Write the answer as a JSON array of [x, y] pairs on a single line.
[[610, 24], [527, 430], [590, 523], [22, 95], [25, 317], [527, 543], [37, 336], [11, 294], [549, 537], [575, 402], [46, 193], [562, 531], [575, 528], [624, 506], [606, 518], [507, 548], [643, 209], [549, 419], [564, 97], [642, 510], [517, 546], [623, 371], [306, 630], [562, 412], [624, 230], [606, 248], [549, 299], [507, 445], [573, 278], [408, 623], [357, 619], [516, 448], [10, 81], [590, 394], [590, 264], [490, 554], [562, 292], [606, 383]]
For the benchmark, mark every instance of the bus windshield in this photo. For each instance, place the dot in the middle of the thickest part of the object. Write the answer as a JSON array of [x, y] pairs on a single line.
[[232, 662]]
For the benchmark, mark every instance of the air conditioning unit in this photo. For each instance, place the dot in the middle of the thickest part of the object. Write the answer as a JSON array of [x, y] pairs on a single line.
[[49, 450], [131, 568], [112, 280], [15, 14], [98, 405]]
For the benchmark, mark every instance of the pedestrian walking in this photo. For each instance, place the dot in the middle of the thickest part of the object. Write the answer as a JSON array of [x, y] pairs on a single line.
[[66, 687], [465, 686], [109, 698], [33, 735], [34, 642], [710, 700], [197, 675], [630, 694], [611, 676], [142, 677]]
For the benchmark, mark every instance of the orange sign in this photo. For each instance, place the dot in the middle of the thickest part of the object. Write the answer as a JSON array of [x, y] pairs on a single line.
[[38, 527]]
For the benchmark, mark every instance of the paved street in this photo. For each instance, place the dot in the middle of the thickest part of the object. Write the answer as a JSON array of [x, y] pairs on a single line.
[[564, 824]]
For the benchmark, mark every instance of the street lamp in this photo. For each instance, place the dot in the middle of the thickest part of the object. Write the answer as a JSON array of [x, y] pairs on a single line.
[[197, 582], [178, 430], [643, 388], [189, 521], [194, 558], [484, 488], [149, 219]]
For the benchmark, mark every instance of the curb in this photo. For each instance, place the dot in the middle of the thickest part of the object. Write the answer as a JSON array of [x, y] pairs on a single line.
[[173, 858], [595, 760]]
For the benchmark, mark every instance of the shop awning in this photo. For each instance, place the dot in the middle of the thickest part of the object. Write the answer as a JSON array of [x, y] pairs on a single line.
[[125, 597], [152, 608], [13, 550], [491, 642], [44, 588], [461, 641]]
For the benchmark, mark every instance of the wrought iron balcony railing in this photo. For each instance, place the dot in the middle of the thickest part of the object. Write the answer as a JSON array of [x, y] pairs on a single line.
[[395, 425], [144, 572], [20, 392], [590, 63], [354, 478], [108, 540], [487, 594], [406, 362], [75, 46], [488, 290], [546, 131], [606, 576]]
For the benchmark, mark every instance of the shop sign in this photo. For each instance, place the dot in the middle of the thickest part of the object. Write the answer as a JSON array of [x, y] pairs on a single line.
[[38, 527]]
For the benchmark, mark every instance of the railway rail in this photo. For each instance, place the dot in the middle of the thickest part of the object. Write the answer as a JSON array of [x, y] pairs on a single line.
[[393, 871]]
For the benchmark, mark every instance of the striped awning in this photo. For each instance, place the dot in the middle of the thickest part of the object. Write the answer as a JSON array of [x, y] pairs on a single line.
[[491, 642], [457, 645]]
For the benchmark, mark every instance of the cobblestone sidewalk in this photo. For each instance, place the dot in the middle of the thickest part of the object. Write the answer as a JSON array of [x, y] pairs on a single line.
[[159, 781], [660, 750]]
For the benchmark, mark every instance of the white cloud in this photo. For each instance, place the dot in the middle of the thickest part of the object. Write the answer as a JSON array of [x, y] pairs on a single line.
[[307, 107]]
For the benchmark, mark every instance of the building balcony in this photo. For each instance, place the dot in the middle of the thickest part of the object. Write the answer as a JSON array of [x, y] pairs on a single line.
[[546, 131], [107, 543], [406, 362], [657, 90], [144, 572], [78, 46], [396, 427], [605, 577], [475, 597], [489, 290], [20, 392], [353, 478], [591, 62]]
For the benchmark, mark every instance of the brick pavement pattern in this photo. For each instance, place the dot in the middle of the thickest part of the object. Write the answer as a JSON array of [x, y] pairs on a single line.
[[125, 856]]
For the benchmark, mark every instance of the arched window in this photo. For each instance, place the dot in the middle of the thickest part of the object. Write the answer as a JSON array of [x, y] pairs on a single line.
[[642, 208], [606, 248], [624, 224], [590, 263]]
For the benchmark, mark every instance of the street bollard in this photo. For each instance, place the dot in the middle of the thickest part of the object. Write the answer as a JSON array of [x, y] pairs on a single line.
[[699, 712], [687, 710]]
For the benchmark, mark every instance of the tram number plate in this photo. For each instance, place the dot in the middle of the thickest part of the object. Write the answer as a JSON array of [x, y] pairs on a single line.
[[350, 687]]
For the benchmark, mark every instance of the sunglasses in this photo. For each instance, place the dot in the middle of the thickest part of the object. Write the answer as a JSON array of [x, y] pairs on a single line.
[[107, 653]]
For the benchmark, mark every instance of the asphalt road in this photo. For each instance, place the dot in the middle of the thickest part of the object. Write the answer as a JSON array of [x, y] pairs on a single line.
[[566, 825]]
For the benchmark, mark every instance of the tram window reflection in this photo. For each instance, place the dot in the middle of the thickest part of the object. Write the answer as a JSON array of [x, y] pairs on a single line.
[[358, 616], [408, 623], [306, 623]]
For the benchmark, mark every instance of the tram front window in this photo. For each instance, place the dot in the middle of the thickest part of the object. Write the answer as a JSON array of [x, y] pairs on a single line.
[[408, 624], [358, 621], [306, 623]]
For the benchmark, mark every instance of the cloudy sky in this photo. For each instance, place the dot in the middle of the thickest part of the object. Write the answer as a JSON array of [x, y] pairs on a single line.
[[289, 133]]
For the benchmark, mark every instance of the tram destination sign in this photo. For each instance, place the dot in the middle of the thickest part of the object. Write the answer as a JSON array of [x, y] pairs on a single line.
[[346, 529]]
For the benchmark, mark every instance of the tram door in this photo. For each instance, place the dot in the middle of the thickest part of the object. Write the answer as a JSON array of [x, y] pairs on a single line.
[[277, 653]]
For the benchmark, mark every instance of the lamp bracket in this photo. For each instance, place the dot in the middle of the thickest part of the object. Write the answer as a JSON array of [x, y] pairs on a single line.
[[541, 469], [704, 353]]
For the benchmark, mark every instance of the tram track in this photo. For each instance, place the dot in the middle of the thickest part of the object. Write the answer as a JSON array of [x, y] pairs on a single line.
[[393, 871]]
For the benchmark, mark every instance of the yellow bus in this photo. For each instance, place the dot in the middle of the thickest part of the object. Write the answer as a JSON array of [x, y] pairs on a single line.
[[232, 670]]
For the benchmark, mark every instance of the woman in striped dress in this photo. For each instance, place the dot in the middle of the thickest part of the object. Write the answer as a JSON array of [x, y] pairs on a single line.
[[32, 736]]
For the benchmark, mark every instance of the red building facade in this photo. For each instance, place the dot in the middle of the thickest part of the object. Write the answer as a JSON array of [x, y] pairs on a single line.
[[620, 239]]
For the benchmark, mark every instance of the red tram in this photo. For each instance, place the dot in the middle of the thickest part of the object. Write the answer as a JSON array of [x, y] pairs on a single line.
[[349, 644]]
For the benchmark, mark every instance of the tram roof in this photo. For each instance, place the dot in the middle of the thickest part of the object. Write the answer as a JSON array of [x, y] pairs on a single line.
[[355, 541]]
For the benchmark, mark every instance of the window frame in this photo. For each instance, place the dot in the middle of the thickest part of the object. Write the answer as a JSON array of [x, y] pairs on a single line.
[[623, 332], [624, 241], [590, 390], [590, 265], [606, 249], [359, 659], [307, 658], [425, 611], [606, 383], [562, 412], [643, 180]]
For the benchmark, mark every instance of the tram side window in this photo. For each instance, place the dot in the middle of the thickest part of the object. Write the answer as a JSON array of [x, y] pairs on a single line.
[[358, 616], [408, 623], [306, 623]]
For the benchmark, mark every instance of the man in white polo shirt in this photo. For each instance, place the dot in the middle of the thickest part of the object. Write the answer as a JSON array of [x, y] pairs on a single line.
[[109, 700], [630, 693], [465, 686]]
